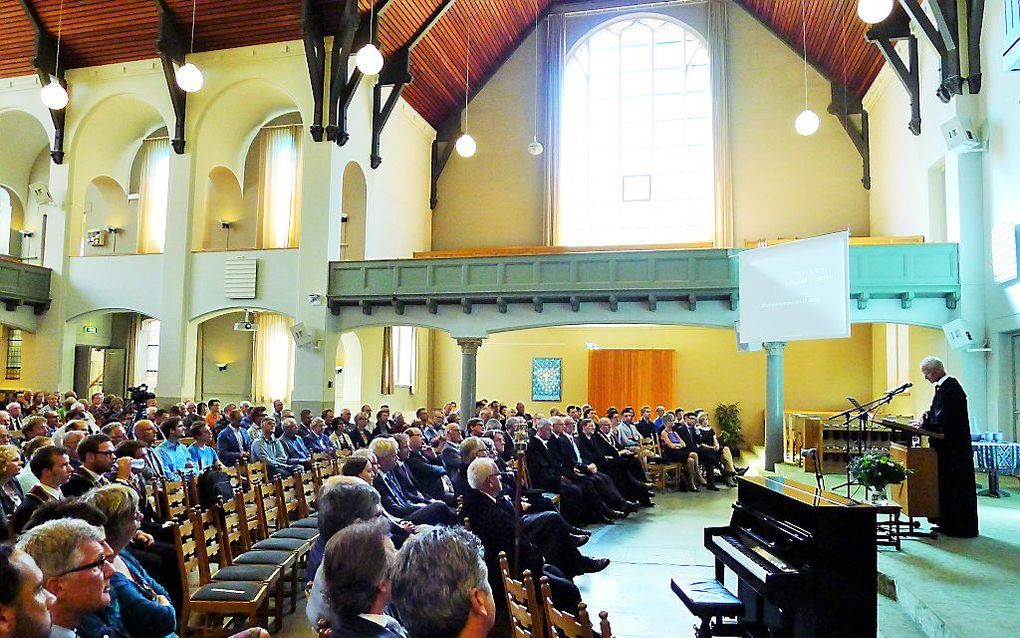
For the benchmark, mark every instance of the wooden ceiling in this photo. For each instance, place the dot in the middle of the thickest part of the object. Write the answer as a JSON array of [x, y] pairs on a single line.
[[98, 32]]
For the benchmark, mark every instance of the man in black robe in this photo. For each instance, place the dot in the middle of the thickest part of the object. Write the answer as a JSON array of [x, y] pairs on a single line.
[[948, 415]]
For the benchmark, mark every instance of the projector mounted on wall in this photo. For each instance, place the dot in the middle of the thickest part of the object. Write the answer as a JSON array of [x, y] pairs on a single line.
[[246, 324]]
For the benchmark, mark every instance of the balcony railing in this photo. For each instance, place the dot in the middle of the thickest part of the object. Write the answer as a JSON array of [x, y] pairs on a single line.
[[24, 284]]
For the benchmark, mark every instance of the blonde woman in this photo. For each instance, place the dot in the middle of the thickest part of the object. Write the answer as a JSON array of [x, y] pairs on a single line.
[[11, 494]]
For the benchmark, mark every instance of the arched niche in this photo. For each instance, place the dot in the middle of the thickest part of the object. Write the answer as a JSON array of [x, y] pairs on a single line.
[[261, 164], [225, 133], [224, 206], [354, 207], [106, 206], [349, 372], [24, 162], [107, 143]]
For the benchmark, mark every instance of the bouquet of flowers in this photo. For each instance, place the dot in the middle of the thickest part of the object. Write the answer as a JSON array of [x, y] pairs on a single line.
[[876, 470]]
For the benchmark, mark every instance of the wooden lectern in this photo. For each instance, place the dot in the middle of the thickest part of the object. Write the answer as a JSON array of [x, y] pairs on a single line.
[[918, 495]]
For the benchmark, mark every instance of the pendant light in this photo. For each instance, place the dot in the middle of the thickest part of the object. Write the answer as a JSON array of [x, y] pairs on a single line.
[[466, 145], [535, 147], [807, 121], [189, 77], [369, 59], [874, 11], [54, 96]]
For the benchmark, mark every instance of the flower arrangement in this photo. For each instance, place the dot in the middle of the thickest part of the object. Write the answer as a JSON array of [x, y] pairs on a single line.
[[876, 470]]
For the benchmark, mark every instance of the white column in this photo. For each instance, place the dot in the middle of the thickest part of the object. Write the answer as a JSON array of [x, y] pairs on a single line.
[[774, 403]]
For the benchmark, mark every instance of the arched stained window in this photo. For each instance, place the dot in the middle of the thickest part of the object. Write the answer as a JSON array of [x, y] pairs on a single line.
[[636, 161]]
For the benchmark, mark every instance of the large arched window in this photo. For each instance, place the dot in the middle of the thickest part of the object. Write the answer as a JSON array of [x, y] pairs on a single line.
[[636, 137]]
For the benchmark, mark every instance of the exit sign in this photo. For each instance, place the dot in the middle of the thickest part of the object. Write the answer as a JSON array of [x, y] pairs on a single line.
[[90, 330]]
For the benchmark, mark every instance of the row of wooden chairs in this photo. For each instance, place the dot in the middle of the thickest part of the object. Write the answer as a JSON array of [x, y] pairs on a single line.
[[534, 618], [662, 473]]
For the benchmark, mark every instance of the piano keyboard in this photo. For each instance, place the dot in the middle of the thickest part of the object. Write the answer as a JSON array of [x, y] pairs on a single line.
[[758, 560]]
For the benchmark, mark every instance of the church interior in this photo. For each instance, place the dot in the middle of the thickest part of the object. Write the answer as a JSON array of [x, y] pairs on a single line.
[[385, 206]]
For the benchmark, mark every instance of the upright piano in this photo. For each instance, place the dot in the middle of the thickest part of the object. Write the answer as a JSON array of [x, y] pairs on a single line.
[[806, 560]]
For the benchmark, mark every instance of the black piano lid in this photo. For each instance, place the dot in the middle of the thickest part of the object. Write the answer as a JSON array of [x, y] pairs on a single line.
[[800, 492]]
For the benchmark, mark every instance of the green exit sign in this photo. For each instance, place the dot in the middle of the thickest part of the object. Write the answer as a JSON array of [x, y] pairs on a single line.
[[90, 330]]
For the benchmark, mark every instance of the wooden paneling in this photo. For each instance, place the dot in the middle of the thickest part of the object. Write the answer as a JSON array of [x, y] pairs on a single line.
[[631, 377], [108, 31]]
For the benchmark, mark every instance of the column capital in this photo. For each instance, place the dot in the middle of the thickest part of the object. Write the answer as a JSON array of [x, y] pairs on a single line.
[[774, 347], [469, 345]]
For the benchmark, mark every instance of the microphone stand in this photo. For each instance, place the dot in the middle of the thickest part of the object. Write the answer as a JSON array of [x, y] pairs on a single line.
[[521, 445], [860, 413]]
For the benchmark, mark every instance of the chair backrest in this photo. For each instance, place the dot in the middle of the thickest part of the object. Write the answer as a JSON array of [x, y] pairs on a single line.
[[269, 510], [233, 527], [255, 472], [289, 499], [190, 557], [234, 474], [309, 492], [175, 499], [253, 514], [155, 500], [526, 615], [567, 625], [207, 532]]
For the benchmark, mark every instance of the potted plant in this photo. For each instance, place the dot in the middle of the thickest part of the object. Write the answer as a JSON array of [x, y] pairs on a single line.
[[876, 471], [727, 416]]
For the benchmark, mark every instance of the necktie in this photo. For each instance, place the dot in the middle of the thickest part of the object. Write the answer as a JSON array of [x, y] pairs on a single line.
[[394, 486], [573, 444], [395, 627]]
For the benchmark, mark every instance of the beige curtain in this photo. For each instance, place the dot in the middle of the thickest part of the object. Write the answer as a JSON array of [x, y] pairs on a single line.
[[388, 362], [718, 44], [154, 195], [279, 186], [554, 53], [273, 373]]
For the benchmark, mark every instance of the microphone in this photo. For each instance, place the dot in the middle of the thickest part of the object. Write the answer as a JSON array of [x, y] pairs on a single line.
[[900, 389], [809, 452]]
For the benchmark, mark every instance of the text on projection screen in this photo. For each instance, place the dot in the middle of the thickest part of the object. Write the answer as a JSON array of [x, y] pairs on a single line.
[[796, 291]]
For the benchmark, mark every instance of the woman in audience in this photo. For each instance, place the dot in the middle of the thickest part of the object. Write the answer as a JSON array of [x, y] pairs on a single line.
[[674, 450], [145, 608], [360, 466], [708, 440], [358, 563], [339, 437], [11, 495]]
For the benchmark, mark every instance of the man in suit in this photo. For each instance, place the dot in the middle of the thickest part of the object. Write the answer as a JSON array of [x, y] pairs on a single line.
[[570, 458], [52, 467], [145, 432], [424, 465], [97, 455], [233, 443], [708, 458], [607, 459], [294, 445], [450, 452], [357, 568], [546, 546], [410, 506], [544, 474], [406, 476], [958, 514]]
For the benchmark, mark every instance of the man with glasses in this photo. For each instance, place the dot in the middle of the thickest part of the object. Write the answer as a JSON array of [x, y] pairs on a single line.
[[24, 602], [97, 455], [74, 559]]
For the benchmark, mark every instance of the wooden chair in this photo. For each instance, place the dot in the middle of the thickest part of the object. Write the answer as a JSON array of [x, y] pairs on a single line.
[[274, 520], [255, 472], [241, 601], [174, 498], [527, 619], [562, 624], [661, 472], [152, 494], [526, 484], [309, 492], [290, 498]]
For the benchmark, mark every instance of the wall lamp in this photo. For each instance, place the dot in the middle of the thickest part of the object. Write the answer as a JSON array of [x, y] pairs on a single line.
[[222, 367]]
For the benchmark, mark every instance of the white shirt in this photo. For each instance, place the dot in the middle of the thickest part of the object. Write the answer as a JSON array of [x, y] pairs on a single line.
[[56, 631], [938, 383], [56, 494]]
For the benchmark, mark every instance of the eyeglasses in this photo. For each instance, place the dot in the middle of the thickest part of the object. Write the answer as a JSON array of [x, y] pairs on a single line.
[[97, 564]]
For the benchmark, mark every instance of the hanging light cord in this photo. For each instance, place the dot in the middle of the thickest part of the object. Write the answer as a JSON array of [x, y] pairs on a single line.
[[842, 38], [803, 33], [467, 71], [60, 26], [536, 70], [194, 10]]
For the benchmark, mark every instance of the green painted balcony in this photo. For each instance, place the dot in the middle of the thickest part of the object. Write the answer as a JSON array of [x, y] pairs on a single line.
[[893, 271], [24, 284]]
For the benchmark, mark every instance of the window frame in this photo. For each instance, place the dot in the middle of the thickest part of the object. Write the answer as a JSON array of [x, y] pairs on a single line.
[[15, 353], [405, 346]]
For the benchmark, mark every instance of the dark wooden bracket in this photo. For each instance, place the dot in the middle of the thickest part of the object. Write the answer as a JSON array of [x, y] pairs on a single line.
[[884, 35], [847, 107], [171, 49], [396, 74], [442, 149], [44, 61], [315, 56], [944, 35]]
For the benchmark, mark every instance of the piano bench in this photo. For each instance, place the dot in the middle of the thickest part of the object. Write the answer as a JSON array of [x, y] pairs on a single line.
[[707, 598]]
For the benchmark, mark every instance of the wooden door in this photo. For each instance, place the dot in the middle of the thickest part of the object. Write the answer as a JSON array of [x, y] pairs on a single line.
[[631, 377]]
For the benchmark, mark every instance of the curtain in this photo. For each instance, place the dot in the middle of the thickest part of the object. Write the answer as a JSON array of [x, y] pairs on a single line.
[[388, 362], [279, 192], [718, 44], [154, 194], [553, 56], [274, 359]]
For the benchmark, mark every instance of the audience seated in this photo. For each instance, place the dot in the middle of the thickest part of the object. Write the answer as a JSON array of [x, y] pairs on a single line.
[[409, 505], [97, 454], [202, 455], [424, 465], [232, 443], [175, 456], [450, 450], [268, 448], [52, 467], [24, 603], [675, 449], [11, 495]]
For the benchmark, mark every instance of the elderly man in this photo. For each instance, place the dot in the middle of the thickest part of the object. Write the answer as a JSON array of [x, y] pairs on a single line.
[[145, 432], [293, 445], [17, 418], [76, 565], [71, 442], [424, 465], [116, 432], [24, 603], [97, 455], [270, 449], [450, 451], [399, 501], [443, 564], [958, 514], [277, 414], [233, 443], [318, 441], [544, 472], [570, 457], [52, 467]]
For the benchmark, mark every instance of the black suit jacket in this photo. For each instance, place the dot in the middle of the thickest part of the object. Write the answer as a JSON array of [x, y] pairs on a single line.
[[603, 445], [389, 500], [588, 449], [565, 452], [492, 521], [543, 468], [358, 627], [79, 483], [35, 497], [428, 475], [360, 438], [948, 415]]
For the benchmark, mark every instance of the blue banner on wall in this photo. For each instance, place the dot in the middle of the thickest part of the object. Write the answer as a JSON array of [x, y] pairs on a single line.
[[546, 379]]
